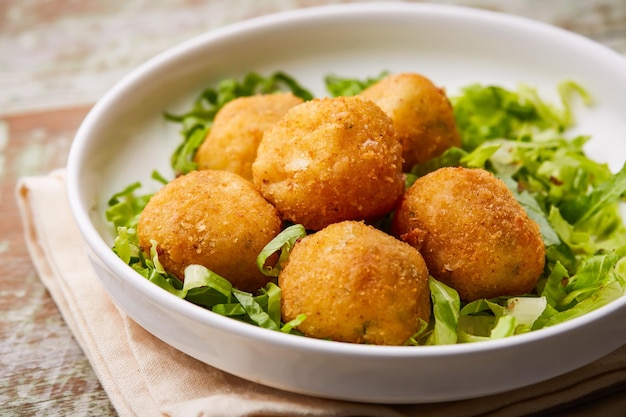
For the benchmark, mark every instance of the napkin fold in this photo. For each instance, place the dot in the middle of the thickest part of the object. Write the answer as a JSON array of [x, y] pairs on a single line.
[[144, 376]]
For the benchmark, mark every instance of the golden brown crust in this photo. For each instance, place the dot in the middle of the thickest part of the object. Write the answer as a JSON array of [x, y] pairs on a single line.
[[422, 115], [472, 233], [329, 160], [238, 127], [212, 218], [356, 284]]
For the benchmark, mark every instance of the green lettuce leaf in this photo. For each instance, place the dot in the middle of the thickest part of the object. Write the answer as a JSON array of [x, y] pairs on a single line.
[[446, 307], [283, 243], [346, 87]]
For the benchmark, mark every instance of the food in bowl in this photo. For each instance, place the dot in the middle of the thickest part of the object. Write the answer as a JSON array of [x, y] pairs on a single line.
[[125, 138], [421, 113], [513, 134], [356, 284], [212, 218], [329, 160], [232, 142], [474, 235]]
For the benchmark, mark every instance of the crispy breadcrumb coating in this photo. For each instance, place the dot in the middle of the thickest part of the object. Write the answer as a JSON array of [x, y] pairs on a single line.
[[232, 142], [422, 115], [211, 218], [375, 287], [329, 160], [472, 233]]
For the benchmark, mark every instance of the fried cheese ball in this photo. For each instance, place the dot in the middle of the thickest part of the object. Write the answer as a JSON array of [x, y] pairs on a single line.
[[211, 218], [472, 233], [355, 284], [232, 142], [329, 160], [422, 115]]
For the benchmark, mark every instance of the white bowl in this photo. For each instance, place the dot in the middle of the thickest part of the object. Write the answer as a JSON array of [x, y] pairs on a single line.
[[125, 137]]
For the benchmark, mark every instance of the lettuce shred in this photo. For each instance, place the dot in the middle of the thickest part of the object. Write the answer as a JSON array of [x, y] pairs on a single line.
[[346, 87], [513, 133]]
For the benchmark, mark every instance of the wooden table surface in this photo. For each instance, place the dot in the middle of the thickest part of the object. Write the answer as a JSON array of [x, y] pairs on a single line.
[[57, 57]]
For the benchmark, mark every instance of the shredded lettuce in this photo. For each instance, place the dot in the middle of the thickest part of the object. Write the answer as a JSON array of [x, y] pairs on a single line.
[[345, 86], [446, 312], [282, 243], [485, 113], [575, 201]]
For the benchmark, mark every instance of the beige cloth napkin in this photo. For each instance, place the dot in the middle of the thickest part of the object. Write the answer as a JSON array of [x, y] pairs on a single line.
[[145, 377]]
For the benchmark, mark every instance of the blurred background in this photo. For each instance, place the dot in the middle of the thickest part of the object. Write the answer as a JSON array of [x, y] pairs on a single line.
[[57, 57], [56, 53]]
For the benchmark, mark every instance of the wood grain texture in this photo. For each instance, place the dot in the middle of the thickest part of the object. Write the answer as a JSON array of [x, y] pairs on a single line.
[[43, 371], [57, 57]]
